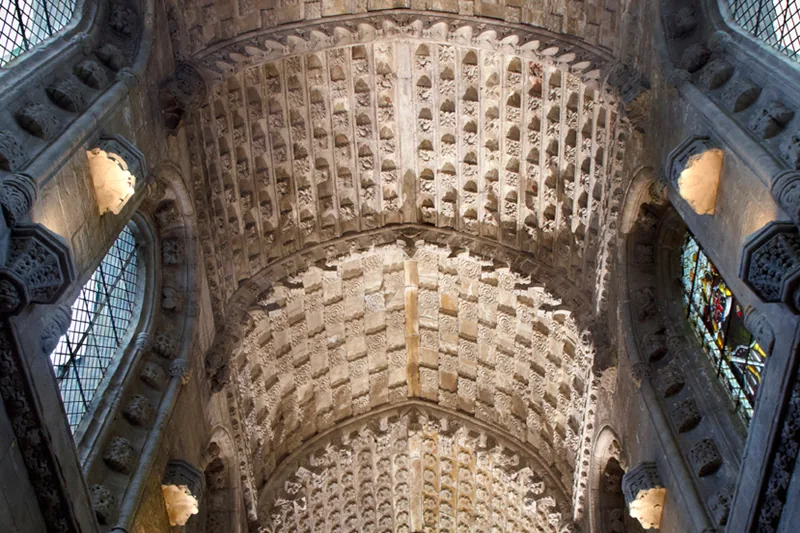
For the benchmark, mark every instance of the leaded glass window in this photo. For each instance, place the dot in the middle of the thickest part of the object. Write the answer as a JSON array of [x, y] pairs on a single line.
[[776, 22], [718, 320], [101, 316], [26, 23]]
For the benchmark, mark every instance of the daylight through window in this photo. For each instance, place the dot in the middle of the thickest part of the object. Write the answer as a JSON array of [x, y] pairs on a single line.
[[26, 23], [776, 22], [718, 320], [101, 316]]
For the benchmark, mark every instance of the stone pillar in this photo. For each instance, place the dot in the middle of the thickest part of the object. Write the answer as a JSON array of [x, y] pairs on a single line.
[[644, 494]]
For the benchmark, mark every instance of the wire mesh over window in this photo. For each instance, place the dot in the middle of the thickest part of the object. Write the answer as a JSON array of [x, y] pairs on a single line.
[[776, 22], [718, 320], [26, 23], [100, 318]]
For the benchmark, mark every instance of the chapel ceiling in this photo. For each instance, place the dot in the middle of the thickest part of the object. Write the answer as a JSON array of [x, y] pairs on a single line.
[[375, 328], [395, 212], [303, 150], [414, 469]]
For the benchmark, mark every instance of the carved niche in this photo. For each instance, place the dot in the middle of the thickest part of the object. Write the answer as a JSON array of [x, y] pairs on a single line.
[[182, 486], [771, 264], [694, 167], [644, 494], [115, 165]]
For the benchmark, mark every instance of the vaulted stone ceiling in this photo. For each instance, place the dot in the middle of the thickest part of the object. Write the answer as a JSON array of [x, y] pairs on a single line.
[[408, 211], [414, 469], [303, 150]]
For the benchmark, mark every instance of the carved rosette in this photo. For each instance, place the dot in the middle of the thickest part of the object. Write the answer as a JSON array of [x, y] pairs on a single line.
[[771, 264], [644, 494], [38, 269]]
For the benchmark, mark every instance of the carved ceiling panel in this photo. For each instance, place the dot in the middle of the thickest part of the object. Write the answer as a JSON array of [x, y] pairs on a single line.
[[306, 149], [376, 328], [200, 26], [414, 468]]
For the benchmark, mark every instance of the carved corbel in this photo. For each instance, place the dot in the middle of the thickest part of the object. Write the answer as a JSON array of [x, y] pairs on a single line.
[[38, 269], [182, 486], [694, 168], [179, 95], [117, 167], [644, 494], [771, 264]]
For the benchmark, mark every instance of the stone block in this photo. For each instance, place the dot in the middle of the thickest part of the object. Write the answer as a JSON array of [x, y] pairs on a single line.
[[467, 368], [374, 322], [315, 322], [397, 377], [339, 374], [448, 380], [359, 385], [331, 291], [356, 347], [448, 304], [429, 358], [373, 281], [468, 329], [353, 307]]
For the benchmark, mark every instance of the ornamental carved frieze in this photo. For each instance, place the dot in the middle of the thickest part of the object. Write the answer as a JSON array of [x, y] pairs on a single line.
[[771, 264]]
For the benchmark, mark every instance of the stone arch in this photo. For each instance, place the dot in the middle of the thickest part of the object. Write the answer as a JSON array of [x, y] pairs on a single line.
[[608, 512], [161, 363], [701, 439], [224, 509]]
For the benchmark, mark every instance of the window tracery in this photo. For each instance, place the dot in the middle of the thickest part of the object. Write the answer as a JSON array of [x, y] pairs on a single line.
[[718, 320], [102, 315], [26, 23], [776, 22]]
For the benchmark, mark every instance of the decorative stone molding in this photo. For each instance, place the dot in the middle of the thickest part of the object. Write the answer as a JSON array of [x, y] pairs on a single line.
[[104, 504], [180, 95], [757, 324], [38, 120], [38, 269], [115, 165], [644, 494], [12, 154], [720, 505], [67, 94], [182, 486], [640, 372], [18, 193], [694, 168], [686, 415], [153, 375], [119, 455], [55, 325], [786, 191], [181, 368], [771, 264], [770, 119], [704, 457], [671, 381], [138, 411]]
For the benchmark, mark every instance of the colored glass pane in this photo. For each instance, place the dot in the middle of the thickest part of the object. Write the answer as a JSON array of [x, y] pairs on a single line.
[[718, 321]]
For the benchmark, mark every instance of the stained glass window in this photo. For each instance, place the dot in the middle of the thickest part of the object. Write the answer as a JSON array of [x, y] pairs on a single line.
[[101, 317], [718, 320], [26, 23]]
